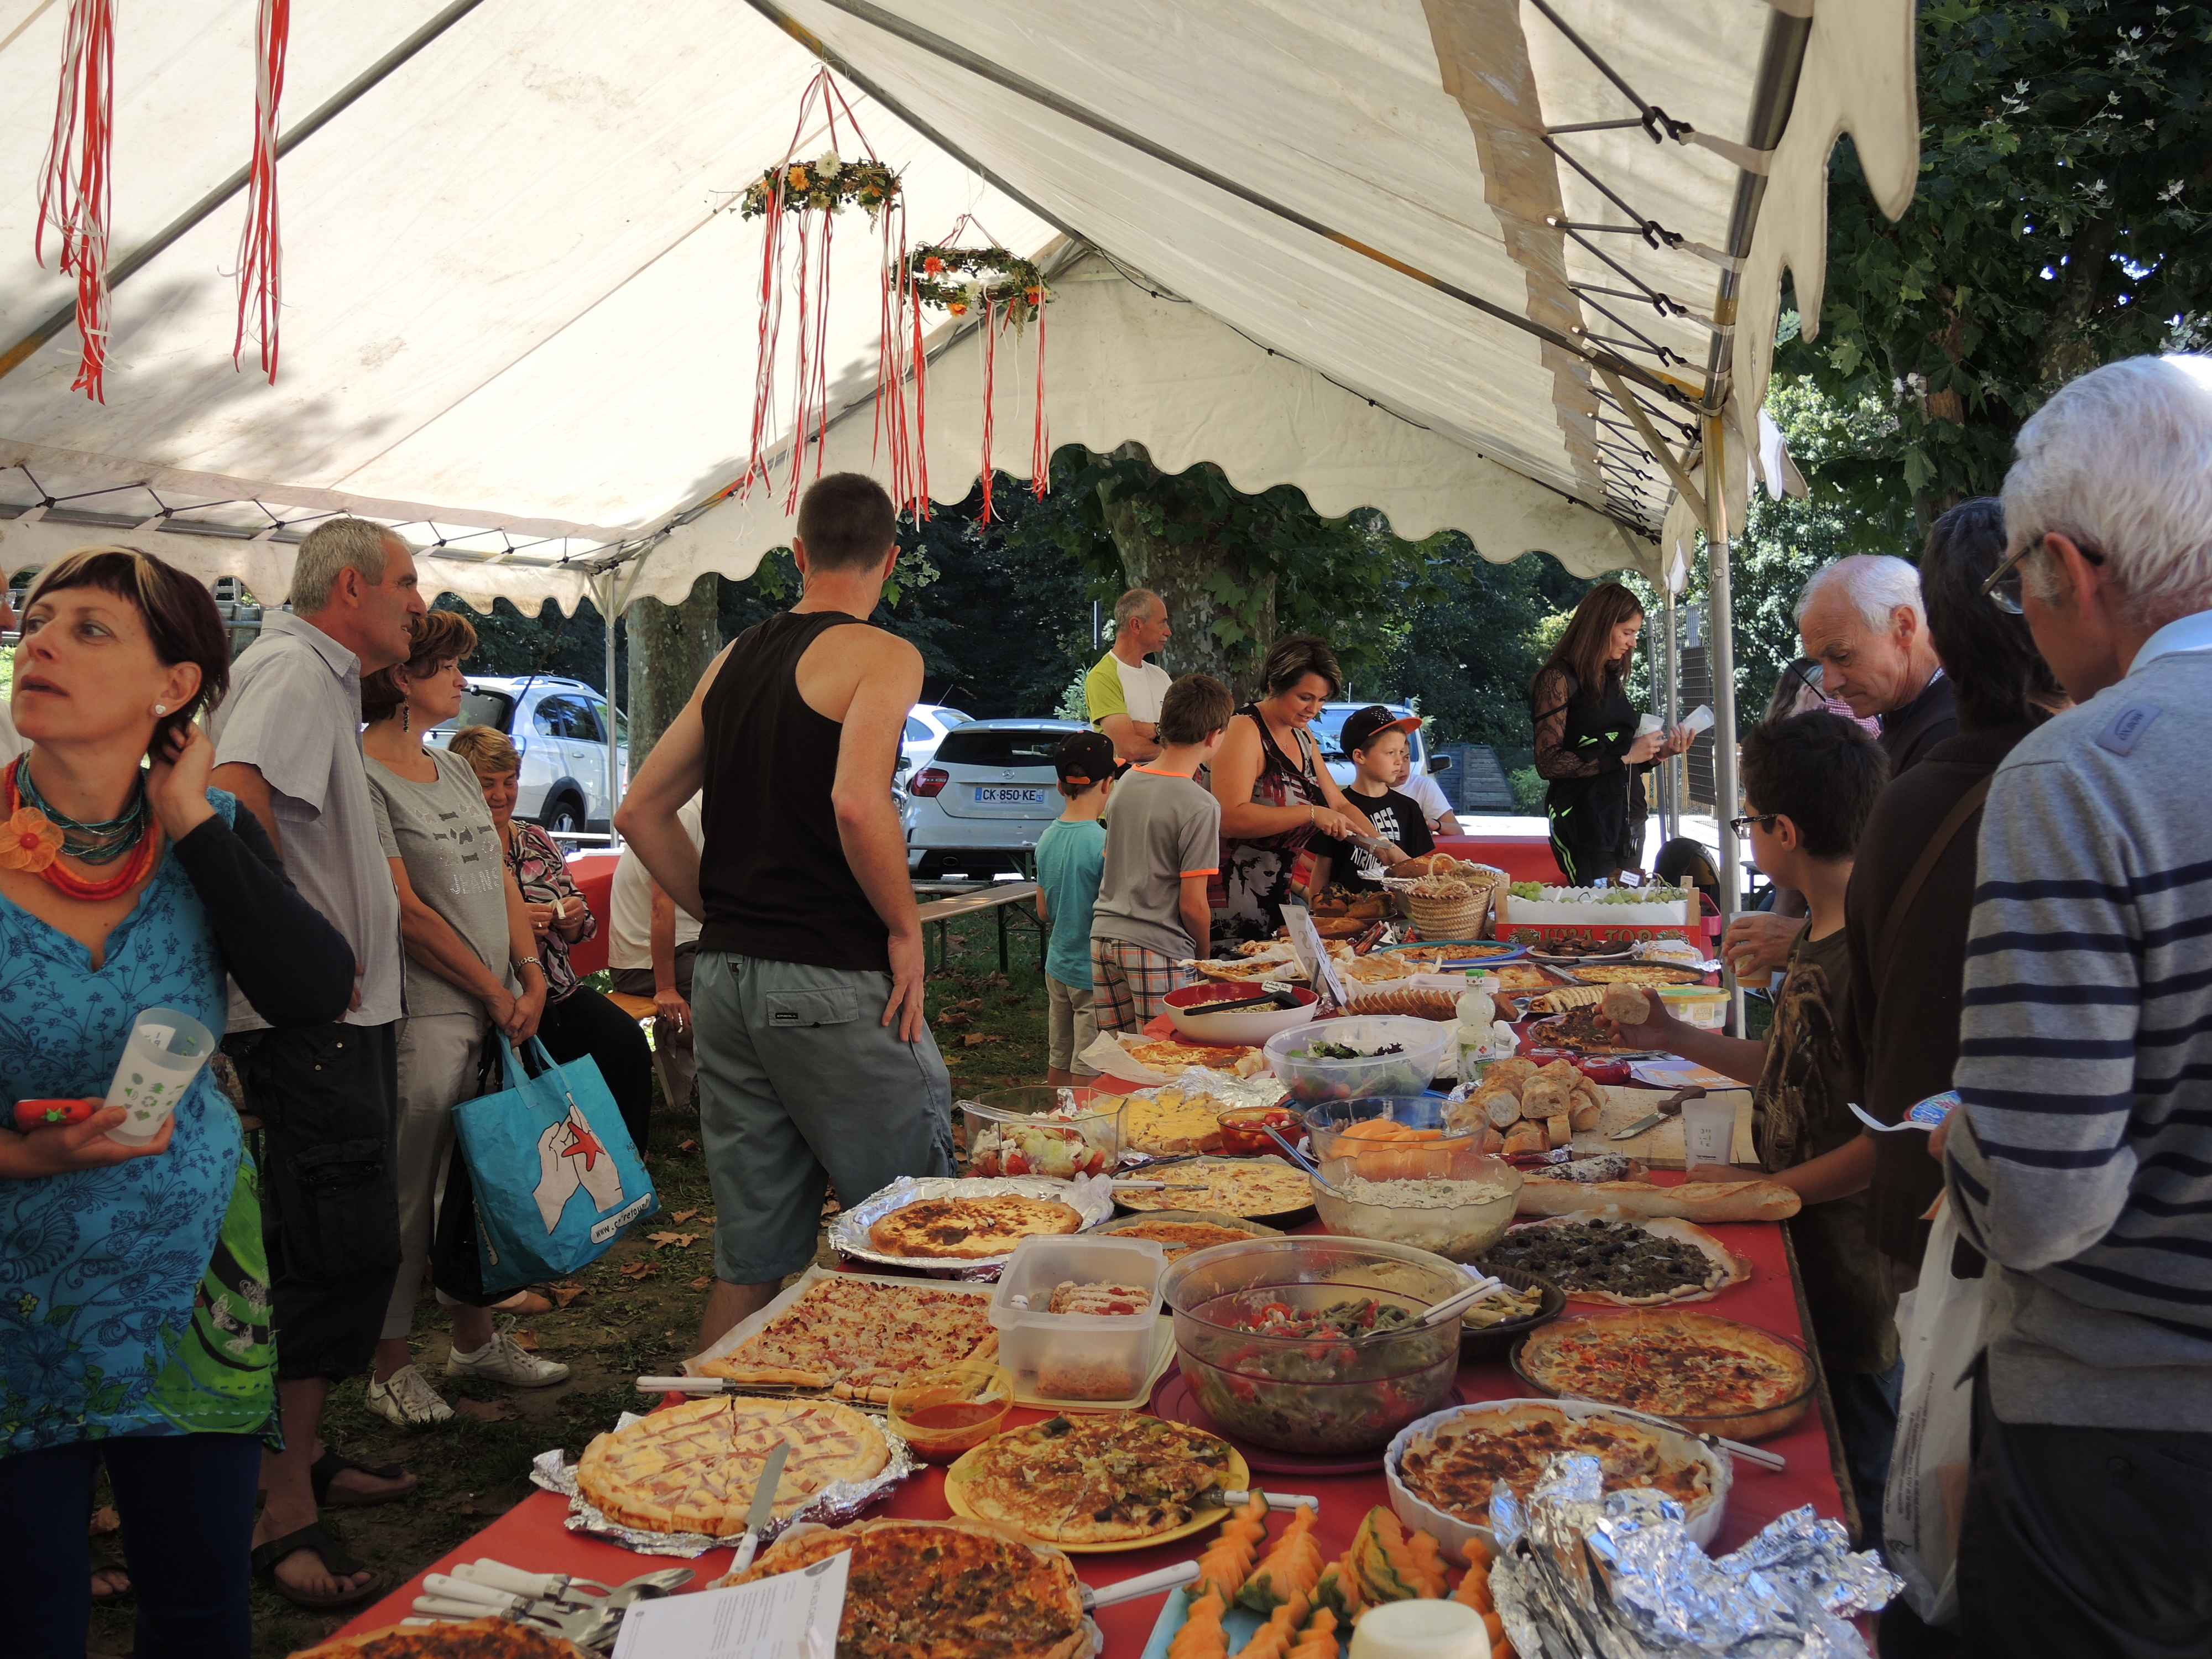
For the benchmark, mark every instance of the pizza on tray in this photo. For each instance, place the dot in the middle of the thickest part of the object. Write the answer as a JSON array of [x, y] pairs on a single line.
[[1110, 1478], [1729, 1378], [488, 1637], [964, 1229], [693, 1466], [1453, 1466], [860, 1337], [1238, 1187], [1630, 1264], [1179, 1235], [940, 1589], [1169, 1057]]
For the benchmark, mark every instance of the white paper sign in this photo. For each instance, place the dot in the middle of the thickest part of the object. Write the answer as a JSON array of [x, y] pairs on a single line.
[[793, 1615], [1313, 954]]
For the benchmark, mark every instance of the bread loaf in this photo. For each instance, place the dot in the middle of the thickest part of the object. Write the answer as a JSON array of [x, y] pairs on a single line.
[[1525, 1137], [1559, 1130], [1585, 1113], [1416, 1005], [1693, 1200], [1625, 1005]]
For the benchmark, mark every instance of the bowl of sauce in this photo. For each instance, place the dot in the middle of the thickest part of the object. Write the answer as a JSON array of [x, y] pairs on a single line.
[[1244, 1128], [950, 1409]]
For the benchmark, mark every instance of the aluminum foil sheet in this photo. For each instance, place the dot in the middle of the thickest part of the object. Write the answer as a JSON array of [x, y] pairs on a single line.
[[835, 1504], [1582, 1578], [848, 1230]]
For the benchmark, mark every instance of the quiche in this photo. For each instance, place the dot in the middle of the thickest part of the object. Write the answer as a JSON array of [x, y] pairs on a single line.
[[489, 1638], [1168, 1057], [860, 1337], [940, 1589], [693, 1466], [1453, 1465], [1171, 1120], [961, 1229], [1179, 1236], [1729, 1378], [1239, 1186], [1108, 1479], [1636, 973]]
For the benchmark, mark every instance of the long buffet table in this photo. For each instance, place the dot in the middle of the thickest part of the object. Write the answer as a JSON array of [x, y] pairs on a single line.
[[532, 1534]]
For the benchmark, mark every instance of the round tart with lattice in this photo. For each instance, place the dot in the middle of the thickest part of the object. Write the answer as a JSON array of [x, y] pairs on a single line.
[[693, 1466]]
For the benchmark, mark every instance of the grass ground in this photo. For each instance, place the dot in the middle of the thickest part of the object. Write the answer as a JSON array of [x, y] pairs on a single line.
[[634, 1312]]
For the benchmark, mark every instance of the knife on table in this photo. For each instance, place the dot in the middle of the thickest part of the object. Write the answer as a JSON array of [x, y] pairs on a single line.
[[756, 1517], [1668, 1108]]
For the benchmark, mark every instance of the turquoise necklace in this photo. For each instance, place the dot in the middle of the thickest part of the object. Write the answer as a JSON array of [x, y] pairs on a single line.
[[89, 843]]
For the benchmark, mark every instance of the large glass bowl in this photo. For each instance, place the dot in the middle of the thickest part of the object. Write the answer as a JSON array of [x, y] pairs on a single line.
[[1347, 1129], [1310, 1080], [1297, 1393], [1057, 1132], [1401, 1209]]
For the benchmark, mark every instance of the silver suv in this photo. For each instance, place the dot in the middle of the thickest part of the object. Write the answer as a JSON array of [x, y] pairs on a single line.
[[559, 726]]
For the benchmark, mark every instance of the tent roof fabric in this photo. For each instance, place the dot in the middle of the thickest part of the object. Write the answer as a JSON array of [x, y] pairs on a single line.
[[518, 321]]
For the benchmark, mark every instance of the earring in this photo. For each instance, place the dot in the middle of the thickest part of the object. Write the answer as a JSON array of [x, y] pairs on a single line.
[[159, 709], [406, 717]]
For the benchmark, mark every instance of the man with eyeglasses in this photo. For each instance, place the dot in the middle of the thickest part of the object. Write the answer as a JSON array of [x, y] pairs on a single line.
[[2079, 1157]]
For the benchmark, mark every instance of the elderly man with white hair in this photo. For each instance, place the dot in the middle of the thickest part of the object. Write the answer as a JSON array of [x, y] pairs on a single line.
[[1122, 691], [1860, 618], [2079, 1157]]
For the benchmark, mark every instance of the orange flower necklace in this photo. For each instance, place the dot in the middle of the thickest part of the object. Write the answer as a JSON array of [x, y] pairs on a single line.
[[31, 841]]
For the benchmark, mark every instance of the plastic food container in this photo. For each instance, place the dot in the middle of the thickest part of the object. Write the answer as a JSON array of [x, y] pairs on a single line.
[[1245, 1028], [1297, 1393], [1458, 1227], [1704, 1007], [1311, 1080], [951, 1409], [1079, 1356], [1013, 1132]]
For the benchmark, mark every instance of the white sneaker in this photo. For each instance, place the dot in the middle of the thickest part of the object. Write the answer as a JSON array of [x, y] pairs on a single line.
[[503, 1360], [407, 1399]]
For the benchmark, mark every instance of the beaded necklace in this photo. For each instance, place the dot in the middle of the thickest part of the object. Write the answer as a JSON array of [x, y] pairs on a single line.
[[35, 837]]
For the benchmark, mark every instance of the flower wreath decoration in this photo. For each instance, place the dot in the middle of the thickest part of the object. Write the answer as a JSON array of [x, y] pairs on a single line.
[[1004, 280], [828, 183]]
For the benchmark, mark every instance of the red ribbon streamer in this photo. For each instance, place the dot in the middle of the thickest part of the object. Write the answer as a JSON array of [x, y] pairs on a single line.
[[75, 193], [260, 251]]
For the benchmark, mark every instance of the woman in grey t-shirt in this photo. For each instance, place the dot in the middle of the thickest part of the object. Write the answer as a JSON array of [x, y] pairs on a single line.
[[472, 969]]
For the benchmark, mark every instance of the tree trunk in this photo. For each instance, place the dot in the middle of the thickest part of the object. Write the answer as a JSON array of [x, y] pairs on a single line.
[[670, 647], [1184, 574]]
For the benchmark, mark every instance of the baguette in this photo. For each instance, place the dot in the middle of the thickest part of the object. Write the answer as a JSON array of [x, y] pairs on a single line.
[[1526, 1136], [1625, 1005], [1560, 1130], [1413, 1004], [1693, 1200], [1501, 1108]]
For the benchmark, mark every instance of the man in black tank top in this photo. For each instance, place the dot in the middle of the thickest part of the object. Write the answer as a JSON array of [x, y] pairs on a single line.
[[815, 1063]]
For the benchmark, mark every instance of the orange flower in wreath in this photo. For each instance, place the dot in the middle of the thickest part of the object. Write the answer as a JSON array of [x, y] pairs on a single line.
[[28, 841], [933, 266], [958, 307], [797, 179]]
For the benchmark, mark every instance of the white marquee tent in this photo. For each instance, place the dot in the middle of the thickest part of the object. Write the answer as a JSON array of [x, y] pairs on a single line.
[[1508, 266]]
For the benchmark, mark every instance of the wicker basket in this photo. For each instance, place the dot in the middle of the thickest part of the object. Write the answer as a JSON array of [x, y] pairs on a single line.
[[1461, 914]]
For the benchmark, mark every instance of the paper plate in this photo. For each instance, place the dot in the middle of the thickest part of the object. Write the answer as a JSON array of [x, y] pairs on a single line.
[[1239, 1477]]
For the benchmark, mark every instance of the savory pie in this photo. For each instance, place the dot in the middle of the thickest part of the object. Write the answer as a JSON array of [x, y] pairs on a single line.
[[940, 1589], [1679, 1364], [1635, 973], [1240, 1187], [861, 1336], [1168, 1057], [1093, 1479], [963, 1229], [1453, 1465], [488, 1637], [1639, 1263], [693, 1466], [1171, 1120], [1180, 1237]]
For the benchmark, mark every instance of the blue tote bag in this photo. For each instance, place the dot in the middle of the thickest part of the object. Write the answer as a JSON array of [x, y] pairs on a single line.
[[556, 1179]]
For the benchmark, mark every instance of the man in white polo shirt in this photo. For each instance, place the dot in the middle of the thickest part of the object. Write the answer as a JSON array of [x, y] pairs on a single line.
[[1122, 691]]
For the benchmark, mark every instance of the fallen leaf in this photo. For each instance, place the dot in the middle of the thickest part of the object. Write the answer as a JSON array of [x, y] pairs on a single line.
[[564, 1294], [524, 1340], [484, 1410], [973, 1038], [700, 1283], [687, 1145], [683, 1216], [640, 1268], [952, 1018], [967, 1007], [105, 1520], [677, 1241]]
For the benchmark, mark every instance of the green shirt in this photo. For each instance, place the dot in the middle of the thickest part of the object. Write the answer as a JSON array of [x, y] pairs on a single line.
[[1112, 687]]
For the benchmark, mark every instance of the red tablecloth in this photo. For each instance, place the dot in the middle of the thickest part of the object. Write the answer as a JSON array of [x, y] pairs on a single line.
[[531, 1534]]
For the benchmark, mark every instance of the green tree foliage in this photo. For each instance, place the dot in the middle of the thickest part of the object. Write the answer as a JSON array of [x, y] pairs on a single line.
[[2060, 221], [508, 643]]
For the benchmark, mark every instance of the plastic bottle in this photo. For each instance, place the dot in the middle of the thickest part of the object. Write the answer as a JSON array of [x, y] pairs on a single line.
[[1477, 1010]]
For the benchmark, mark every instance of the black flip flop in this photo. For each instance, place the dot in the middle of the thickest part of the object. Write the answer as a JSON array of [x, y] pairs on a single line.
[[335, 1560], [327, 1467]]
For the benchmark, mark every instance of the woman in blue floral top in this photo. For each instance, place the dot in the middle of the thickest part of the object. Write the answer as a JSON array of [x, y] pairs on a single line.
[[134, 1302]]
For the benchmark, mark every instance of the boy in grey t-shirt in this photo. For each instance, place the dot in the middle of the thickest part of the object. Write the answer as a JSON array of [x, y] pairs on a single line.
[[1162, 843]]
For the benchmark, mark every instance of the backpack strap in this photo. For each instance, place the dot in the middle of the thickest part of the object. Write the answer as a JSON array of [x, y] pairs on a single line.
[[1966, 807]]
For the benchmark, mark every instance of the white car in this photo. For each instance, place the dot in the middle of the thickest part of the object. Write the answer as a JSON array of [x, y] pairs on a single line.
[[926, 723], [559, 728], [986, 794], [1328, 731]]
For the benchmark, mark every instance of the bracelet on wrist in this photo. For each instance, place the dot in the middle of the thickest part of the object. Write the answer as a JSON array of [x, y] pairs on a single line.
[[530, 962]]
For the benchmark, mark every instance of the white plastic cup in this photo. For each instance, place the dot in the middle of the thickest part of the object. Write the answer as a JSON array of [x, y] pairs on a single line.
[[167, 1050], [1420, 1630], [1708, 1129]]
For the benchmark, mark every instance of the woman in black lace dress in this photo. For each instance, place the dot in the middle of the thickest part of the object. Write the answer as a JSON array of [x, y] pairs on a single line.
[[1587, 748]]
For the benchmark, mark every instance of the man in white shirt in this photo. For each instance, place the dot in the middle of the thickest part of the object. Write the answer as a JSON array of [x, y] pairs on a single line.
[[1435, 806], [651, 953], [1122, 691]]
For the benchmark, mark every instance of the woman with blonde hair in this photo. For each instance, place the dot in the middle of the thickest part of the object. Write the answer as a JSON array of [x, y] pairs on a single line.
[[577, 1021], [473, 971], [134, 1289]]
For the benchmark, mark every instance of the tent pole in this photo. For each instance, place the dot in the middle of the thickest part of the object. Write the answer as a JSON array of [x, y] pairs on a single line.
[[606, 597], [1670, 815], [1719, 610]]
